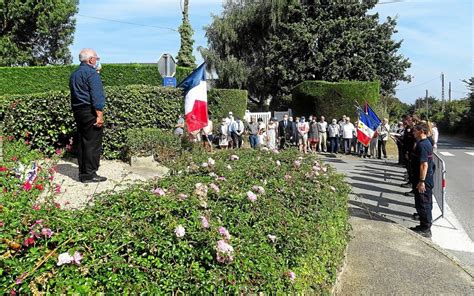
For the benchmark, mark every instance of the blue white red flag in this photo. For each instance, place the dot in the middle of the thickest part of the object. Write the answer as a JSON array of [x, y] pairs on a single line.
[[375, 120], [365, 132], [195, 99]]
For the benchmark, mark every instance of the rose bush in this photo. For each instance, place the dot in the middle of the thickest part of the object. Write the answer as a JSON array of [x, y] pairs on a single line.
[[180, 234]]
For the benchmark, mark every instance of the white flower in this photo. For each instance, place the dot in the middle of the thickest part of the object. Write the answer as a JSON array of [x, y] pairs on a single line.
[[297, 164], [179, 231], [215, 187], [278, 163], [324, 169], [316, 168], [211, 161], [213, 175], [204, 164], [64, 258], [272, 237], [229, 167], [259, 189], [77, 257], [224, 252], [182, 196], [234, 157], [264, 149], [201, 190], [333, 189], [276, 151]]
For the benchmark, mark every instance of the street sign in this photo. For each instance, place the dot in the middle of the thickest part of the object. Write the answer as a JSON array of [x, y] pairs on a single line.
[[169, 81], [166, 65]]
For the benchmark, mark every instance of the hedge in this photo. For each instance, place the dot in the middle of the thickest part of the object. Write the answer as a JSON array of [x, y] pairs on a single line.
[[286, 225], [28, 80], [221, 101], [333, 99], [45, 120]]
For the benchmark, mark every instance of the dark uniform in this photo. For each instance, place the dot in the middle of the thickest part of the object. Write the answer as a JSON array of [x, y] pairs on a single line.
[[87, 96], [423, 201]]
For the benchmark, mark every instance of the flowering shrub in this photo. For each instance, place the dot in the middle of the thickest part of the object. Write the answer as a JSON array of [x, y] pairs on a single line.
[[180, 234]]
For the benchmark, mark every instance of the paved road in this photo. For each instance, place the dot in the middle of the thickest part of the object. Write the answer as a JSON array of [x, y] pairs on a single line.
[[459, 159], [376, 187]]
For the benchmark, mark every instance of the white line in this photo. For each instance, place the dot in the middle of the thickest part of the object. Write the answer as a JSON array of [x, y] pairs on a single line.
[[470, 153], [447, 154]]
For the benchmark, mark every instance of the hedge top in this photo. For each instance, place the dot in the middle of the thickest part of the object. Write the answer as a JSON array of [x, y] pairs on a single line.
[[333, 99], [27, 80]]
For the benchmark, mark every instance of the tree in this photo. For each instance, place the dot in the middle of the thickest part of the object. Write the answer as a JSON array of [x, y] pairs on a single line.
[[468, 122], [34, 33], [281, 43], [185, 55]]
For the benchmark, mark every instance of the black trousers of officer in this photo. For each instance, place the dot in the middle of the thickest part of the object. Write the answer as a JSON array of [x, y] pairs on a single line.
[[424, 206], [89, 142]]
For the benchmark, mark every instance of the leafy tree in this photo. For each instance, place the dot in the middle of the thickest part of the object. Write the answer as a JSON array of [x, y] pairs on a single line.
[[281, 43], [391, 107], [185, 55], [468, 122], [36, 33]]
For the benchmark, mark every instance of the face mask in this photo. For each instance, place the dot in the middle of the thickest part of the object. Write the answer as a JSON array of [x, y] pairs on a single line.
[[97, 65]]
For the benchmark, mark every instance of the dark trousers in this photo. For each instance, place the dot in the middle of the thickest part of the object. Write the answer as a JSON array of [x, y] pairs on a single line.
[[381, 148], [236, 140], [424, 206], [401, 153], [333, 144], [347, 146], [89, 144], [283, 140], [253, 139]]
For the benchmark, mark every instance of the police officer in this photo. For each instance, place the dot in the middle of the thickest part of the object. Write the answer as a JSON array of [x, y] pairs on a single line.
[[423, 178], [88, 101]]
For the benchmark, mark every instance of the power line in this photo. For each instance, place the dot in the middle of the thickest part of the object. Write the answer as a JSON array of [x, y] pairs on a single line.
[[399, 89], [128, 23]]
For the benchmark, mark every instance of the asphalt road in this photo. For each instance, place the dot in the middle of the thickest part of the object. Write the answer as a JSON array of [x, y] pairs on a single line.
[[459, 158]]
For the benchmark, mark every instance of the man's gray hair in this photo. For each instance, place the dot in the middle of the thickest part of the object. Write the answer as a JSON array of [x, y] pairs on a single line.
[[86, 54]]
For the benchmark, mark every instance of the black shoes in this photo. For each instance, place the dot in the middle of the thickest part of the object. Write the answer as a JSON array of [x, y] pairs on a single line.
[[94, 179], [423, 232]]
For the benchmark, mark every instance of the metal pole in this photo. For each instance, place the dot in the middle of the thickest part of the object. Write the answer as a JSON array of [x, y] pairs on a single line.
[[442, 91], [449, 93]]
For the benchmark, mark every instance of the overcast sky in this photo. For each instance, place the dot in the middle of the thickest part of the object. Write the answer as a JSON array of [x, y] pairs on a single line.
[[437, 34]]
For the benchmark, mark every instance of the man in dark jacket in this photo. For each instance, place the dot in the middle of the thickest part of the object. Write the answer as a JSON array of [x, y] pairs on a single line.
[[285, 131], [88, 102]]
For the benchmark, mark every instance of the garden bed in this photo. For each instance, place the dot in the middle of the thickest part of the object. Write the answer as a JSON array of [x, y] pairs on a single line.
[[222, 223]]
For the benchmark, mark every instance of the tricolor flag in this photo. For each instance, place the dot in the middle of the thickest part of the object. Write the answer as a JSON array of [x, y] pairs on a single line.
[[375, 120], [195, 99], [365, 132]]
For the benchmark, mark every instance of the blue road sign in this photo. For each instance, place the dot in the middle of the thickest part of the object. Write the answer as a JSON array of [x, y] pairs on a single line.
[[169, 81]]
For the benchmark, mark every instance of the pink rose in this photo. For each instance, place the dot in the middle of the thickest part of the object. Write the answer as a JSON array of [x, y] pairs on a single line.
[[291, 276], [46, 232], [204, 222], [251, 196], [159, 192], [224, 252], [215, 187], [224, 232]]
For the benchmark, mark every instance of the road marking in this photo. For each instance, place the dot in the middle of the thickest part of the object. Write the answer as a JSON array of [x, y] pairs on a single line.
[[447, 154], [470, 153]]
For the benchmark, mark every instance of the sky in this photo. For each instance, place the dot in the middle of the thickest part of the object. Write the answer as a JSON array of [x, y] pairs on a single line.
[[437, 36]]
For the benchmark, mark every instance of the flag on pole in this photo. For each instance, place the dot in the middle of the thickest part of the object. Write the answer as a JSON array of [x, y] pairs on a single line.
[[365, 132], [375, 120], [195, 99]]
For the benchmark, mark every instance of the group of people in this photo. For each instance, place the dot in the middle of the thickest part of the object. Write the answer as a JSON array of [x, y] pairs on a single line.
[[309, 135], [416, 139]]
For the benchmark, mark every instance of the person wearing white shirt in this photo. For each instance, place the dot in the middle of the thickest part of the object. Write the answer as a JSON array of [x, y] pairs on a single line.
[[434, 135], [323, 136], [303, 129], [206, 135], [347, 134], [236, 130], [383, 131], [333, 134]]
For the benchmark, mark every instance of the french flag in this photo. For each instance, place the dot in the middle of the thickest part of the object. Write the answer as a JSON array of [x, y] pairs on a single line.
[[365, 130], [195, 99]]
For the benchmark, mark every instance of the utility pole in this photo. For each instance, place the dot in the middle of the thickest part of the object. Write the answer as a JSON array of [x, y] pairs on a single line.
[[449, 93], [442, 92], [427, 106]]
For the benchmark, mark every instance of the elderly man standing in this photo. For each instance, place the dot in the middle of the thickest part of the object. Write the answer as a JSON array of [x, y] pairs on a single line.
[[88, 102]]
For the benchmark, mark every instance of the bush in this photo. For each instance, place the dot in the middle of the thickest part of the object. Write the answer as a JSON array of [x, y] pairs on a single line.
[[162, 144], [221, 101], [48, 121], [131, 241], [333, 99], [29, 80]]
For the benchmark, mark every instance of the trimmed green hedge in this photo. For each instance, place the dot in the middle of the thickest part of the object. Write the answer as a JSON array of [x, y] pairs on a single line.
[[27, 80], [221, 101], [333, 99], [46, 120]]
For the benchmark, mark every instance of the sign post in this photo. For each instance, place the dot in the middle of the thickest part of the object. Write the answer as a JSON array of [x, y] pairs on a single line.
[[167, 69]]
